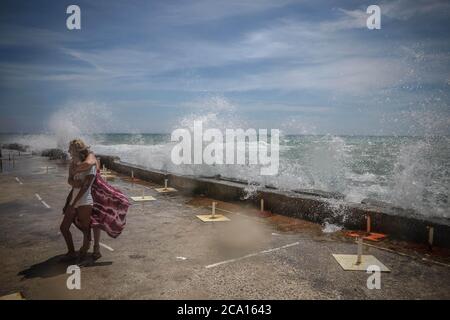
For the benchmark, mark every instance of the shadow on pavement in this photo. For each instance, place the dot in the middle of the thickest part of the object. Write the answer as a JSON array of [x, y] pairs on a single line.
[[55, 266]]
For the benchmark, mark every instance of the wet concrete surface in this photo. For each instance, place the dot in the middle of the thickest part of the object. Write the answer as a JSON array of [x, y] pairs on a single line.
[[165, 252]]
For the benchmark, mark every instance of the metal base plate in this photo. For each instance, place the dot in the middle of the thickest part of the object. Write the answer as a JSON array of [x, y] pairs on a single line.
[[165, 190], [348, 262], [371, 236], [210, 218], [145, 198], [108, 176], [13, 296]]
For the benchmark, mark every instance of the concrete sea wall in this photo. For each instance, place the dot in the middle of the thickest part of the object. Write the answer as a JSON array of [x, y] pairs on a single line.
[[312, 205]]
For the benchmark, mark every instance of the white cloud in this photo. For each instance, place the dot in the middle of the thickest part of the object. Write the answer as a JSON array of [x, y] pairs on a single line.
[[347, 19], [405, 9], [198, 11]]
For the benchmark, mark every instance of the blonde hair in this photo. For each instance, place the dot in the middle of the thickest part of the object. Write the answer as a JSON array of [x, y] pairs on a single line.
[[80, 147]]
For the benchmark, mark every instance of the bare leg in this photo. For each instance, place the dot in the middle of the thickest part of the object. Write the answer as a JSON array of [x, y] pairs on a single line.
[[65, 231], [84, 218], [96, 254]]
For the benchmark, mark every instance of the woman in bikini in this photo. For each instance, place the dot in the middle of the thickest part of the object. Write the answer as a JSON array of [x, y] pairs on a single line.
[[79, 203], [92, 203]]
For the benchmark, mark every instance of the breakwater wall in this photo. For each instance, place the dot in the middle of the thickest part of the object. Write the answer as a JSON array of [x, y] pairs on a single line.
[[311, 205]]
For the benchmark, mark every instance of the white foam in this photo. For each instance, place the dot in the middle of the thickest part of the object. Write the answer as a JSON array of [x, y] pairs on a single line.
[[330, 228]]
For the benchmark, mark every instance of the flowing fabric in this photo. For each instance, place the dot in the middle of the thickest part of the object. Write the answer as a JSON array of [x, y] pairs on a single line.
[[110, 207]]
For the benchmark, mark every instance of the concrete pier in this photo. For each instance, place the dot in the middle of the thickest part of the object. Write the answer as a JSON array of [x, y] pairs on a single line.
[[165, 252]]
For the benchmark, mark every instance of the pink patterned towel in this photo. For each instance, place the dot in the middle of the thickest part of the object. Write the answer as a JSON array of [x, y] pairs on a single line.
[[110, 207]]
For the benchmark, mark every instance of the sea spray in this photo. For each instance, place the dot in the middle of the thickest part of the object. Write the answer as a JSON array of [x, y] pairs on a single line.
[[380, 168], [421, 177], [250, 191], [79, 120]]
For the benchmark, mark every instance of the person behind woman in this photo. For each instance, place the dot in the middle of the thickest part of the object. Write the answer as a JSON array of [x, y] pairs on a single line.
[[78, 208]]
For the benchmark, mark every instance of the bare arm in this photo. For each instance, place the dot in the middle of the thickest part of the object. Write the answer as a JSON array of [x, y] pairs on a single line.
[[87, 163], [69, 196], [71, 181]]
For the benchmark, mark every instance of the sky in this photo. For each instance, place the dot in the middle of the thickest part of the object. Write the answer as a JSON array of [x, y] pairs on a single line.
[[305, 67]]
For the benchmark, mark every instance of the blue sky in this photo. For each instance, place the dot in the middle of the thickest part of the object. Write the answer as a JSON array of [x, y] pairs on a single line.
[[300, 66]]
